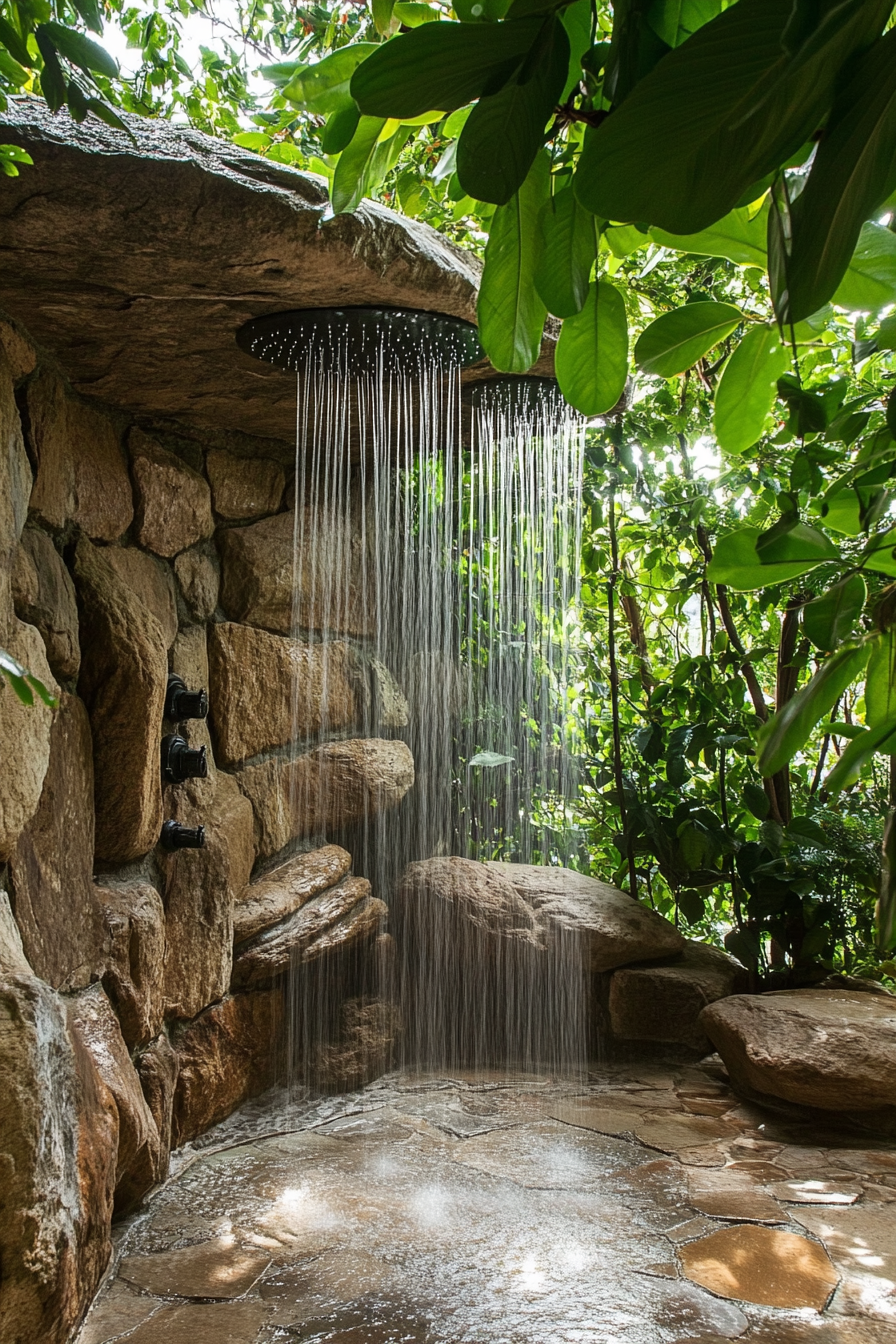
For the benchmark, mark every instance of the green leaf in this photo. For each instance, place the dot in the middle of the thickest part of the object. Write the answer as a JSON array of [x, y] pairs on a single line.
[[891, 413], [444, 65], [880, 680], [870, 281], [324, 87], [490, 758], [788, 731], [10, 157], [740, 237], [756, 801], [675, 341], [382, 14], [252, 140], [14, 43], [692, 905], [505, 130], [737, 563], [591, 359], [831, 618], [412, 13], [80, 50], [576, 19], [859, 753], [674, 21], [570, 247], [745, 394], [881, 554], [804, 829], [106, 114], [89, 11], [511, 314], [340, 129], [480, 11], [52, 80], [351, 171], [624, 239]]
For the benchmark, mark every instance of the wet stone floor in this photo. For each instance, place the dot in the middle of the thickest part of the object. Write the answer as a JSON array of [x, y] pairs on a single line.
[[646, 1205]]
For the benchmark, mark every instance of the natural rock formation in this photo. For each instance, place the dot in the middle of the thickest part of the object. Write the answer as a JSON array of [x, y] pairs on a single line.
[[18, 352], [341, 917], [362, 1049], [15, 472], [390, 706], [133, 978], [81, 472], [824, 1048], [267, 690], [662, 1003], [198, 579], [44, 596], [124, 674], [228, 1053], [244, 487], [286, 889], [157, 1070], [479, 902], [150, 581], [200, 888], [25, 735], [189, 659], [51, 867], [335, 786], [173, 501]]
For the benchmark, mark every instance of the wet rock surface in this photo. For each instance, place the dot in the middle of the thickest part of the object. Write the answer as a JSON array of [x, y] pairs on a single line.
[[25, 734], [244, 487], [44, 595], [287, 888], [662, 1003]]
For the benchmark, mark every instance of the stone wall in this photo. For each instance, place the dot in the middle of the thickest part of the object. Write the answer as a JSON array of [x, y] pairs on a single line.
[[142, 991]]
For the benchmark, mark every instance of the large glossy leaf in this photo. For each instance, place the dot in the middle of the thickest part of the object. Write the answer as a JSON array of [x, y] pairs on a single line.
[[443, 65], [881, 555], [576, 19], [737, 563], [570, 246], [350, 180], [853, 172], [830, 619], [80, 50], [324, 87], [880, 680], [715, 116], [788, 731], [506, 130], [740, 236], [511, 313], [870, 280], [859, 753], [591, 361], [746, 391], [675, 341], [674, 21], [52, 80]]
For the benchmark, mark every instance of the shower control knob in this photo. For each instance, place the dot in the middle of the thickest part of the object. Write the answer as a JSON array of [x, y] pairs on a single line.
[[182, 703], [175, 836], [180, 761]]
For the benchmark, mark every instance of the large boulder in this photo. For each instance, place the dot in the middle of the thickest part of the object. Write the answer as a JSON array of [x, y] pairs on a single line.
[[124, 676], [244, 487], [134, 971], [174, 507], [51, 867], [24, 737], [287, 888], [335, 786], [825, 1048], [662, 1003], [44, 595], [151, 581], [199, 581]]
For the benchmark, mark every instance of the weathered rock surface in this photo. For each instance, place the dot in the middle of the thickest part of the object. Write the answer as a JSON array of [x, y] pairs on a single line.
[[831, 1049], [244, 487], [157, 1070], [59, 1128], [25, 735], [337, 785], [207, 1270], [341, 917], [326, 589], [198, 579], [18, 351], [51, 867], [761, 1264], [477, 899], [12, 954], [228, 1053], [287, 888], [174, 508], [362, 1049], [93, 1021], [124, 674], [133, 977], [150, 581], [44, 595], [82, 476], [662, 1003], [201, 886], [15, 478], [390, 706], [267, 690]]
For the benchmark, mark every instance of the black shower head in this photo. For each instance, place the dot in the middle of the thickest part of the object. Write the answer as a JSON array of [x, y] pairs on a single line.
[[515, 394], [360, 340]]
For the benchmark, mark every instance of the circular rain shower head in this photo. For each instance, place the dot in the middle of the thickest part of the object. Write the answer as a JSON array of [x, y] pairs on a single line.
[[360, 340], [514, 394]]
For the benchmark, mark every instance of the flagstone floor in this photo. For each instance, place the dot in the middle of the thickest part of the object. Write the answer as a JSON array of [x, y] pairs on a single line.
[[646, 1205]]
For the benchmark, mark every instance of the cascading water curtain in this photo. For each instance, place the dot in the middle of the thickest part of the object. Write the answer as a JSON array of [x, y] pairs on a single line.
[[437, 560]]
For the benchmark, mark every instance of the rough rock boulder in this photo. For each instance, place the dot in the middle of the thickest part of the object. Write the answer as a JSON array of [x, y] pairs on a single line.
[[663, 1002]]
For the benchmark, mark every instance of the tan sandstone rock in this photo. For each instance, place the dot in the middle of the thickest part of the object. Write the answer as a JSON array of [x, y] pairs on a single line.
[[341, 917], [763, 1265], [478, 901], [230, 1052], [267, 690], [81, 472], [56, 903], [24, 738], [827, 1048], [15, 484], [157, 1070], [662, 1003], [18, 350], [124, 675], [198, 577], [44, 595], [363, 1046], [337, 785], [244, 487], [287, 888], [149, 580], [174, 508], [133, 978], [12, 954], [201, 886]]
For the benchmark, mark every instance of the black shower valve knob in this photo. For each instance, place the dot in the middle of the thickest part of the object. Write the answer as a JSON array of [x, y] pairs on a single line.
[[182, 703], [180, 761], [176, 836]]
